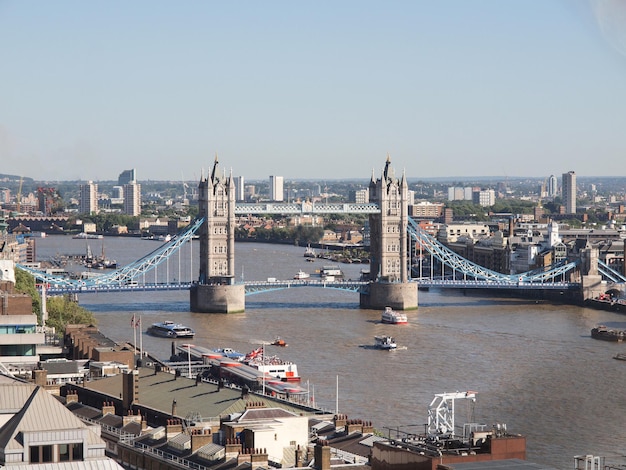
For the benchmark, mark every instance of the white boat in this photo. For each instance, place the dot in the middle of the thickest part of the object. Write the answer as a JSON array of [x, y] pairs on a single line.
[[385, 342], [309, 252], [302, 275], [88, 236], [331, 271], [169, 329], [272, 365], [392, 317]]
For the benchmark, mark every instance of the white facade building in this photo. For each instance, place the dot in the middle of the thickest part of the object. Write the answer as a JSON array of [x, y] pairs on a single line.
[[88, 198], [132, 198], [276, 188]]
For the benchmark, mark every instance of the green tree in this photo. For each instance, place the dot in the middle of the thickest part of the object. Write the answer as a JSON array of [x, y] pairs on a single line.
[[63, 311], [25, 284]]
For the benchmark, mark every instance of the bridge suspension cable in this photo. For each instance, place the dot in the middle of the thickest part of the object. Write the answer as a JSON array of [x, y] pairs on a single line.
[[127, 273], [468, 268]]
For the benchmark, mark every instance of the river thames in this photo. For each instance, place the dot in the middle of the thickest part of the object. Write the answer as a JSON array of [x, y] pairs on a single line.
[[533, 366]]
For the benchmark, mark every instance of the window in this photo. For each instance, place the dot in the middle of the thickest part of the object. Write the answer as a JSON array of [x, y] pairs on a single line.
[[66, 453], [41, 454]]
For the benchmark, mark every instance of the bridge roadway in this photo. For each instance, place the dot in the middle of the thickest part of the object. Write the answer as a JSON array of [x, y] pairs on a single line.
[[257, 287]]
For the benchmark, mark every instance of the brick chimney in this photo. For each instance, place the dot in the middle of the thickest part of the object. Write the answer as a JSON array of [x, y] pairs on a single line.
[[199, 438], [40, 377], [131, 418], [71, 397], [321, 453], [340, 421], [243, 457], [368, 428], [258, 458], [299, 456], [354, 425], [108, 408], [233, 448], [173, 427]]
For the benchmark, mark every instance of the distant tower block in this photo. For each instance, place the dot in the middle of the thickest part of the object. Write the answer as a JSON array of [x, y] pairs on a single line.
[[216, 291], [389, 253]]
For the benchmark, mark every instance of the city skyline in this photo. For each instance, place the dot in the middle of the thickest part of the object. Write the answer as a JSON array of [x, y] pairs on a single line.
[[450, 88]]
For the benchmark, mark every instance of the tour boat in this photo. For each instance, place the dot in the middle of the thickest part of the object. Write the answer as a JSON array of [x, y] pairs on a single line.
[[169, 329], [395, 318], [272, 365], [385, 342]]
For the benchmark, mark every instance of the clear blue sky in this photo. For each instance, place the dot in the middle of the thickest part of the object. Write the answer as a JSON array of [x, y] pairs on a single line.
[[312, 89]]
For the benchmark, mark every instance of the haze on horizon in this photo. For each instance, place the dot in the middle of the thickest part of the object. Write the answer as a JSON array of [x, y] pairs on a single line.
[[312, 90]]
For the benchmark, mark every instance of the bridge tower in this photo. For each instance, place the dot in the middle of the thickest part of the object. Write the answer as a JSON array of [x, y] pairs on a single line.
[[389, 253], [216, 291]]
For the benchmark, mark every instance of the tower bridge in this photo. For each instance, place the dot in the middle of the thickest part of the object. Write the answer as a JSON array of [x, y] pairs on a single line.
[[388, 280], [393, 236]]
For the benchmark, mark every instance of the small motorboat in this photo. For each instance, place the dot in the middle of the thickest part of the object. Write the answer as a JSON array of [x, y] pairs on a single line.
[[279, 342], [385, 342]]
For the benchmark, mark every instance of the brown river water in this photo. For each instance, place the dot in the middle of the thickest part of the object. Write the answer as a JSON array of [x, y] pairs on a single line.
[[532, 365]]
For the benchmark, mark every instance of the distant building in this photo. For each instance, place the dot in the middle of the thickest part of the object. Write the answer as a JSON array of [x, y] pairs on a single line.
[[240, 188], [132, 198], [276, 188], [117, 195], [456, 193], [426, 210], [126, 177], [553, 186], [45, 200], [88, 198], [568, 184], [250, 191], [484, 197], [359, 196]]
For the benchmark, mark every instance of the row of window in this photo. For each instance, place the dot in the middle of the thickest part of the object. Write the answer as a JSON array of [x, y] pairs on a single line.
[[56, 453], [17, 350], [13, 329]]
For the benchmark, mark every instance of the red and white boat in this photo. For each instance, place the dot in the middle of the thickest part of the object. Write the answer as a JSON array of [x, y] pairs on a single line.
[[272, 365], [392, 317]]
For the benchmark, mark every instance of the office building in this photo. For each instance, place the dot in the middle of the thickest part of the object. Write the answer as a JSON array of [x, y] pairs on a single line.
[[553, 186], [568, 185], [276, 188], [132, 198], [484, 197], [88, 198], [126, 177], [359, 196], [239, 188]]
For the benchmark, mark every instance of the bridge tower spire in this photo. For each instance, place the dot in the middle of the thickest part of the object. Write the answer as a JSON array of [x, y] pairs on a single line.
[[216, 290], [389, 259]]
